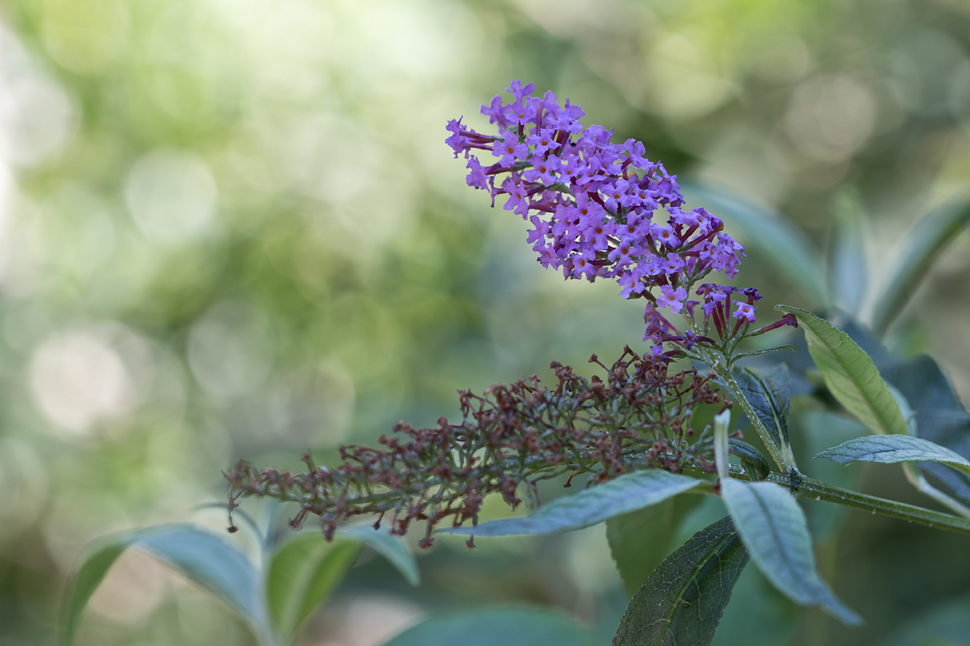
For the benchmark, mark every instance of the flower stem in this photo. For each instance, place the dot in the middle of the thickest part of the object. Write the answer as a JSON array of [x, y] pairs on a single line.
[[782, 455]]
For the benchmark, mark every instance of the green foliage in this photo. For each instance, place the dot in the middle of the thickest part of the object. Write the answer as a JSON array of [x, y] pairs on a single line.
[[923, 246], [299, 574], [508, 627], [768, 393], [850, 374], [775, 533], [752, 461], [890, 449], [944, 625], [83, 584], [939, 416], [627, 493], [817, 430], [640, 540], [682, 602], [200, 556], [387, 545], [395, 302], [302, 574], [847, 268], [758, 608]]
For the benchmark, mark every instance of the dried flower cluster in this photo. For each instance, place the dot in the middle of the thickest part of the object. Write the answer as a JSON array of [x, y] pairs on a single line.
[[508, 440]]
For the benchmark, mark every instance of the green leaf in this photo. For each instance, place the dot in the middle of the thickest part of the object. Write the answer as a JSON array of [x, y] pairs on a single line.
[[758, 604], [208, 561], [769, 394], [199, 556], [890, 449], [641, 539], [912, 470], [683, 600], [850, 375], [590, 506], [721, 451], [940, 417], [306, 569], [83, 584], [923, 245], [847, 275], [791, 252], [387, 545], [302, 574], [752, 461], [774, 530], [505, 627]]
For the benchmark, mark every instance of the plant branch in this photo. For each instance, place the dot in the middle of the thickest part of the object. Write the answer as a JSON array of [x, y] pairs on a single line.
[[810, 488], [802, 486], [722, 368]]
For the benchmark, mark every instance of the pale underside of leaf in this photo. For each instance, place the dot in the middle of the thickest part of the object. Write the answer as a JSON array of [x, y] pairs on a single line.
[[890, 449], [200, 556], [938, 416], [775, 533], [591, 506]]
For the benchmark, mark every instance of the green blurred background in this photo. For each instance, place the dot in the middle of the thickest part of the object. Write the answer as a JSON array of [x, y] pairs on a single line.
[[231, 229]]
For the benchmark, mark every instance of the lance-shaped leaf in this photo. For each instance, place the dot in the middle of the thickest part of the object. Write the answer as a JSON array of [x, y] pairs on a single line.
[[850, 375], [721, 423], [791, 252], [890, 449], [775, 533], [506, 626], [389, 546], [682, 602], [590, 506], [752, 461], [754, 464], [912, 470], [940, 417], [923, 245], [641, 539], [307, 568], [302, 574], [768, 393], [847, 268], [200, 556], [83, 584]]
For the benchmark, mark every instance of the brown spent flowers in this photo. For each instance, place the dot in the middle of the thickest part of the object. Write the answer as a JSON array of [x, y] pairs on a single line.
[[509, 439]]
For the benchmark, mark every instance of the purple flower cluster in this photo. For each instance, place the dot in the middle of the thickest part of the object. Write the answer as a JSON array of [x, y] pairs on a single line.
[[598, 209]]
